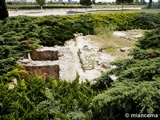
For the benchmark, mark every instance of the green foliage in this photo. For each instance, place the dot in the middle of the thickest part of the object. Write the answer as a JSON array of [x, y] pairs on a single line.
[[144, 54], [150, 4], [73, 96], [147, 21], [102, 83], [41, 2], [122, 1], [10, 50], [121, 21], [136, 89], [26, 7], [137, 70], [105, 29], [151, 40], [15, 73], [57, 31], [127, 97], [85, 2], [48, 31], [36, 99]]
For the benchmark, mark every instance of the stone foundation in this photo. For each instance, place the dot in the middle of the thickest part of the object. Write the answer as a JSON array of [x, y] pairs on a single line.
[[79, 57], [48, 71], [42, 62], [44, 55]]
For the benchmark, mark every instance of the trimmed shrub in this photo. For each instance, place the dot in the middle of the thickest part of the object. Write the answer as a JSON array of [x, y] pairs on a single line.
[[25, 7]]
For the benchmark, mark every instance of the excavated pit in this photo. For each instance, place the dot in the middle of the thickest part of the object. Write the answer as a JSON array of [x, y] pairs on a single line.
[[41, 62], [46, 71], [79, 55]]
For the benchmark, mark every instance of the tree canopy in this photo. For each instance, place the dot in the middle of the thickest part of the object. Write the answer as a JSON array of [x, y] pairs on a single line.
[[41, 3], [85, 2], [124, 1], [150, 4]]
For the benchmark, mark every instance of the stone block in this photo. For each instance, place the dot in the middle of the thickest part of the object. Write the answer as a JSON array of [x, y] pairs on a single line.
[[49, 71], [44, 55]]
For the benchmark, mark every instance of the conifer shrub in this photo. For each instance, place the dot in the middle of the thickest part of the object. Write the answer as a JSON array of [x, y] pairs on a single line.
[[151, 40], [147, 21], [37, 99], [127, 97], [136, 89]]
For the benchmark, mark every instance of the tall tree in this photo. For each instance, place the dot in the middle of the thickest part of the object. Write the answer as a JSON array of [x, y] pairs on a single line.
[[3, 10], [41, 3], [150, 4], [93, 2], [85, 2], [123, 2]]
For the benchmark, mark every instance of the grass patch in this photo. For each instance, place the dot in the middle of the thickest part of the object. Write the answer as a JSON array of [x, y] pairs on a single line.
[[105, 30], [126, 11], [118, 6], [112, 44]]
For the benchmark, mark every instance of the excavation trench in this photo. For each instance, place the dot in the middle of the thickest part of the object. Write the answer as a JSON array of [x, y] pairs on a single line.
[[79, 56]]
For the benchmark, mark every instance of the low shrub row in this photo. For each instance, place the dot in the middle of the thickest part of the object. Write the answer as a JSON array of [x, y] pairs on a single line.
[[25, 7]]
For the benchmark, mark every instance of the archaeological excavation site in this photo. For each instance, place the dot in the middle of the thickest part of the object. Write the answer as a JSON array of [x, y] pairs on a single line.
[[102, 65], [79, 56]]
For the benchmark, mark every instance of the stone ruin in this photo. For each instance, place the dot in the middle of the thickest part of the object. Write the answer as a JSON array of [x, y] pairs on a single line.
[[78, 55], [42, 62]]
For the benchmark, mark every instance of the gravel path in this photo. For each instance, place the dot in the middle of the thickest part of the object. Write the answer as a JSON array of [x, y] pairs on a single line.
[[61, 11], [70, 64]]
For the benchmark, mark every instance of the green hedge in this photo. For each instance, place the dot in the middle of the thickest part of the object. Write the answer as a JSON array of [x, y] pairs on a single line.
[[22, 7]]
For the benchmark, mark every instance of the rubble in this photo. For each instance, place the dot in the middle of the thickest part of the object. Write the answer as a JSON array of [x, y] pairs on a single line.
[[79, 55], [131, 35], [124, 49]]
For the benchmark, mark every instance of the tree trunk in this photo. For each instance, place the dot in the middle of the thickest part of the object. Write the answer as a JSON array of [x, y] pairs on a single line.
[[150, 4], [123, 5], [41, 7], [3, 10]]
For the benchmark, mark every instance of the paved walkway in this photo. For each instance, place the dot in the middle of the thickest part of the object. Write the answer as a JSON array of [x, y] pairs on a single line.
[[60, 11]]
